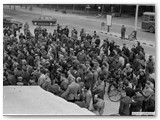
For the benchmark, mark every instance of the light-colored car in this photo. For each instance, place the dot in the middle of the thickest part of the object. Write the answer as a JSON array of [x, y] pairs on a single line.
[[44, 21]]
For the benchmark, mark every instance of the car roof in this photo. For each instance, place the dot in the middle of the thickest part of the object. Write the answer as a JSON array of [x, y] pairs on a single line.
[[45, 16], [149, 13], [7, 17]]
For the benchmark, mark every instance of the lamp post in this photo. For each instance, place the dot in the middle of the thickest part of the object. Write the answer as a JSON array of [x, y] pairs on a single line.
[[120, 10], [102, 9], [41, 9], [73, 7], [99, 9], [14, 7], [87, 8]]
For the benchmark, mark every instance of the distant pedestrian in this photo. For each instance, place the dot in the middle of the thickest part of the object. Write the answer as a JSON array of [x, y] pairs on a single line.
[[123, 30], [26, 28]]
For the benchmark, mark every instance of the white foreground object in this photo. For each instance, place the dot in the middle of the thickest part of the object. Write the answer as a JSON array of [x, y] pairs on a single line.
[[33, 100]]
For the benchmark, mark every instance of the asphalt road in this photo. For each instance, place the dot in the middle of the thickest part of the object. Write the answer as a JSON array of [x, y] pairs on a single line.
[[78, 22]]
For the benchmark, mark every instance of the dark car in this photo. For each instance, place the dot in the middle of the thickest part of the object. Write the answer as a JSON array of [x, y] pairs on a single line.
[[44, 21], [9, 22]]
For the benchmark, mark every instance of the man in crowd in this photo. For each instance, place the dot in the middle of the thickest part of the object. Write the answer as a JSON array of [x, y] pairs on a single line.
[[136, 102], [124, 104], [98, 105]]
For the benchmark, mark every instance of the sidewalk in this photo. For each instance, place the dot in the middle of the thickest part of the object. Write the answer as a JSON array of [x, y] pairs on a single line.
[[117, 35]]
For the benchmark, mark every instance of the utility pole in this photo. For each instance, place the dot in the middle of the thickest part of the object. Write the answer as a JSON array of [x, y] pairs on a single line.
[[136, 19], [30, 7], [73, 7], [102, 9], [25, 6], [120, 10], [14, 7], [57, 7], [41, 9]]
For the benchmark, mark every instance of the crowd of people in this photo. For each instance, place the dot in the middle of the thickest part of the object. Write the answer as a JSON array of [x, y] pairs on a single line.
[[77, 66]]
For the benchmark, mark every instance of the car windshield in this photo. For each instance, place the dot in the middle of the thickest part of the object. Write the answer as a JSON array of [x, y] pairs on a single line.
[[45, 18]]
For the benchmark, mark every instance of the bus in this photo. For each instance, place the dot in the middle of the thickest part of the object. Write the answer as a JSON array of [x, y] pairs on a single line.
[[148, 21]]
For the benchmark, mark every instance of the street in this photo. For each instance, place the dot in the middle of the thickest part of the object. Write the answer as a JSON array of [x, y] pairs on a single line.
[[80, 22], [24, 15]]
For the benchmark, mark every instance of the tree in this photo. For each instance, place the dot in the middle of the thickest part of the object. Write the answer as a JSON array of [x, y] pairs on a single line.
[[120, 9], [25, 6], [14, 7], [102, 9]]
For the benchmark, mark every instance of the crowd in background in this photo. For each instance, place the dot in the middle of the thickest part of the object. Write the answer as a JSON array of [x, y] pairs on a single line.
[[77, 66]]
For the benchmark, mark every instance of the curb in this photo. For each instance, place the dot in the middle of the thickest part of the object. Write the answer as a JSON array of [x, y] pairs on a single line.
[[114, 35]]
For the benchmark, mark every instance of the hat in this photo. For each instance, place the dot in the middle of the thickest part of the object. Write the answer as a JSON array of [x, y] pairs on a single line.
[[141, 70], [78, 79], [127, 65], [150, 57], [151, 80], [43, 70], [20, 78]]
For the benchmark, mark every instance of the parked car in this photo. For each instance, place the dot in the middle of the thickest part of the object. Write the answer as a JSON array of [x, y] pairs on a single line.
[[9, 21], [44, 21]]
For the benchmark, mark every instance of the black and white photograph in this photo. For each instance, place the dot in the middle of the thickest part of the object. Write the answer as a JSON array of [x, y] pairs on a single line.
[[79, 59]]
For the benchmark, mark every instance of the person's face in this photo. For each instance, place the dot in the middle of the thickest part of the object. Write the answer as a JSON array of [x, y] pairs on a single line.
[[115, 52], [48, 74], [95, 98], [147, 85], [27, 53], [138, 94], [119, 71], [150, 59], [123, 94], [134, 46], [142, 73]]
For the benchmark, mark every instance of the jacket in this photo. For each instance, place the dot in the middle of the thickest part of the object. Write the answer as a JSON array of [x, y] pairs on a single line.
[[136, 105], [72, 91], [124, 106]]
